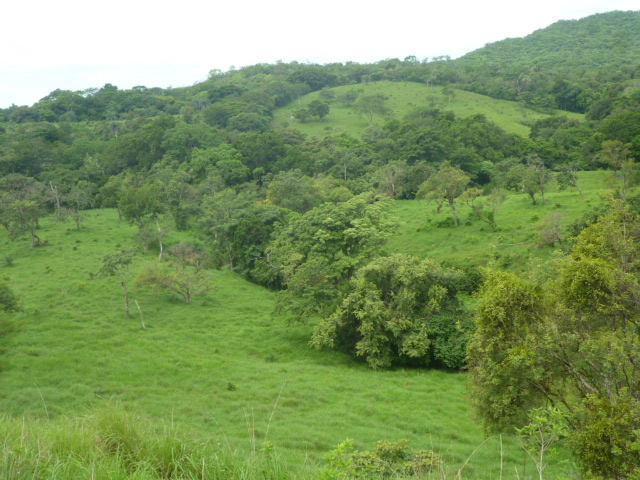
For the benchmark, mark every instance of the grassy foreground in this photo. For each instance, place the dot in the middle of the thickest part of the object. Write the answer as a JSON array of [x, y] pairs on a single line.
[[221, 371]]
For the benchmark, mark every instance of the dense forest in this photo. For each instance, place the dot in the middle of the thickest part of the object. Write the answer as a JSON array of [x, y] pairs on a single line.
[[553, 352]]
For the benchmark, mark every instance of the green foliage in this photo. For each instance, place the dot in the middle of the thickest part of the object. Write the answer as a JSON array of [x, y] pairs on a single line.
[[388, 460], [226, 338], [501, 356], [608, 439], [293, 190], [447, 184], [8, 299], [117, 263], [401, 310], [570, 342], [316, 253], [22, 204], [184, 274], [546, 427]]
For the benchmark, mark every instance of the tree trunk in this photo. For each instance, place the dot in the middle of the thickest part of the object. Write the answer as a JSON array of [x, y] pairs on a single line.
[[123, 281], [454, 212]]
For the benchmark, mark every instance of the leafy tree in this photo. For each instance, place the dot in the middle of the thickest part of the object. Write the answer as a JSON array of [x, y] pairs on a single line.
[[546, 427], [371, 106], [571, 343], [220, 216], [391, 315], [531, 179], [608, 440], [504, 376], [141, 204], [79, 198], [317, 253], [118, 264], [318, 108], [21, 206], [391, 179], [184, 274], [291, 189], [538, 174], [484, 207], [448, 183], [568, 176], [550, 231], [618, 156]]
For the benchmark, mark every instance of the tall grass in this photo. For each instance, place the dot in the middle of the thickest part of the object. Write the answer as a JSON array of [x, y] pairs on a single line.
[[110, 443]]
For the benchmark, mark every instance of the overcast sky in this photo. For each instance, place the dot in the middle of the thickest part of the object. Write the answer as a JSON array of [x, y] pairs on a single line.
[[75, 44]]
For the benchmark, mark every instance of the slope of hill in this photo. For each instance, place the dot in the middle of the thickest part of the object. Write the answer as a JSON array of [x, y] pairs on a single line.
[[401, 99], [221, 368], [595, 42]]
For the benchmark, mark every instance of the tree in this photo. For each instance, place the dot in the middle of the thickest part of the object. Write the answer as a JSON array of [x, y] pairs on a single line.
[[318, 108], [448, 183], [79, 198], [291, 189], [531, 179], [550, 232], [316, 253], [220, 216], [570, 343], [568, 176], [141, 204], [400, 310], [391, 178], [538, 174], [504, 378], [484, 207], [118, 264], [184, 274], [21, 206], [618, 155], [371, 106]]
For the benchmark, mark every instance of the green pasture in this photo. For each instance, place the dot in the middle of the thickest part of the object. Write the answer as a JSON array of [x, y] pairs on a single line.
[[515, 244], [404, 97], [220, 371]]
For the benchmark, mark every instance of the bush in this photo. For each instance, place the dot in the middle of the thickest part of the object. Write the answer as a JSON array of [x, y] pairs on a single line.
[[8, 299]]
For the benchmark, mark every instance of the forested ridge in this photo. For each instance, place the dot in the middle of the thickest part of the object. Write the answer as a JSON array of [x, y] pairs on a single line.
[[207, 179]]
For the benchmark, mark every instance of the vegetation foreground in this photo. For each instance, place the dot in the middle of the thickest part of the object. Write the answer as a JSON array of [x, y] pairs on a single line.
[[220, 374]]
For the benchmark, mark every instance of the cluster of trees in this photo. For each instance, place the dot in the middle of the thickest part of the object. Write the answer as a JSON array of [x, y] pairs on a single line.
[[570, 343]]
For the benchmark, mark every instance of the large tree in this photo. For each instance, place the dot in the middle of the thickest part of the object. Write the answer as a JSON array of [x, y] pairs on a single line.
[[447, 184], [571, 343], [316, 253], [401, 310], [22, 204]]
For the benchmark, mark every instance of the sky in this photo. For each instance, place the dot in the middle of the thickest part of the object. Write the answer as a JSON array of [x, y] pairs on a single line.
[[77, 45]]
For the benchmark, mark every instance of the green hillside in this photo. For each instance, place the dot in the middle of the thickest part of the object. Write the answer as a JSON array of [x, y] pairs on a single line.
[[515, 245], [220, 370], [401, 99], [596, 42], [315, 229]]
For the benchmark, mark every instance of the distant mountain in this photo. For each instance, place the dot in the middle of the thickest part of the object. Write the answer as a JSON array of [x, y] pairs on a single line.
[[602, 40]]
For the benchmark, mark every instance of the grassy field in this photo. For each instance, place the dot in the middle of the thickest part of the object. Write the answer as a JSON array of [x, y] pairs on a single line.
[[515, 244], [221, 370], [402, 98]]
